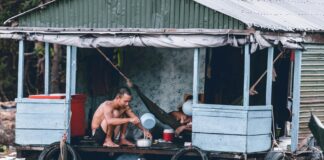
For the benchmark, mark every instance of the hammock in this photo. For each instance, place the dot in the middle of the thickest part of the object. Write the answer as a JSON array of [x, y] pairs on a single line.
[[159, 113]]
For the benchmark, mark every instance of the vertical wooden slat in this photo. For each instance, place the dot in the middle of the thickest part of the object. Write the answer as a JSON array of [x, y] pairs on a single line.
[[201, 16], [20, 91], [68, 90], [73, 70], [177, 14], [123, 13], [186, 14], [196, 76], [182, 11], [149, 15], [296, 100], [246, 88], [191, 14], [143, 12], [269, 76], [47, 70], [205, 17], [211, 19], [172, 13]]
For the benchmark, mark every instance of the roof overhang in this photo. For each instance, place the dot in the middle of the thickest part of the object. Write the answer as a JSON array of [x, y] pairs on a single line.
[[160, 38]]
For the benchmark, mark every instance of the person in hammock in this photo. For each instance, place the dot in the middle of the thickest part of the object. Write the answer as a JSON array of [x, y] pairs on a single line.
[[111, 114], [185, 120]]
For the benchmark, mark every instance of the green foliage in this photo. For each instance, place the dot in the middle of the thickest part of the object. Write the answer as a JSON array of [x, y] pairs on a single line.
[[6, 78], [9, 48]]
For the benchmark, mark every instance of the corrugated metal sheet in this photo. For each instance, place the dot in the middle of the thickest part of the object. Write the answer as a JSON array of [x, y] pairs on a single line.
[[312, 86], [128, 14], [305, 15]]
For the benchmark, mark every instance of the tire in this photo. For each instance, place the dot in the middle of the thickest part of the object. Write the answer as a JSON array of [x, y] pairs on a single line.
[[53, 152], [276, 156], [183, 151]]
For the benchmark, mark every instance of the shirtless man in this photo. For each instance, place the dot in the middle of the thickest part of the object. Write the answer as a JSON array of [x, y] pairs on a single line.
[[111, 114]]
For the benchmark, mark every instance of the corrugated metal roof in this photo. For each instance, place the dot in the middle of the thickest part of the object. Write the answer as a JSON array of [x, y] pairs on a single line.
[[287, 15]]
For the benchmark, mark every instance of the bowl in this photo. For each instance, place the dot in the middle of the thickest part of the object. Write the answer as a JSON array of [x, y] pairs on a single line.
[[143, 143]]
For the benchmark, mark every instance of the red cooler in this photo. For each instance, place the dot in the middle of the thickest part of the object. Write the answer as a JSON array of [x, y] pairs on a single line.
[[78, 114]]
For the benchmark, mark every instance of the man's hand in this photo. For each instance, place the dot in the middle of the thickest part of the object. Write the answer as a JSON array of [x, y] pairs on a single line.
[[147, 134], [134, 120], [179, 130]]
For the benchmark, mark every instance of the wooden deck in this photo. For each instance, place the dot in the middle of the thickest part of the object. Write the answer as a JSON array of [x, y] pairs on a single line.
[[154, 150]]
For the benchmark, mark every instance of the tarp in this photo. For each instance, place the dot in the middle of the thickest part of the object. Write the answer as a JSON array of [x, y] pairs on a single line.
[[159, 41]]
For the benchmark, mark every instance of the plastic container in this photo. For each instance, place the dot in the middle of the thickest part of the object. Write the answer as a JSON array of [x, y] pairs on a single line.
[[168, 135], [148, 120], [187, 107], [78, 124]]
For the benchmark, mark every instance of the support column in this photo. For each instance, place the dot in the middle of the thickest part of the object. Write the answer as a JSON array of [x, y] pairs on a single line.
[[68, 90], [47, 70], [196, 76], [246, 85], [73, 70], [269, 76], [20, 91], [296, 100]]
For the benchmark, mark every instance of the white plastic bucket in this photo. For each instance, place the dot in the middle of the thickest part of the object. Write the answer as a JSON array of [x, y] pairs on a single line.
[[148, 120], [187, 107]]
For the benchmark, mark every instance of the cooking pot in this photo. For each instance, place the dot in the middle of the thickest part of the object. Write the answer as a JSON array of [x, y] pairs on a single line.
[[143, 143]]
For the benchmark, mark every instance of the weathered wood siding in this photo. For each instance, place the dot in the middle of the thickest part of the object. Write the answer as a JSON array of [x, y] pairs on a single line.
[[232, 128], [40, 121], [312, 86]]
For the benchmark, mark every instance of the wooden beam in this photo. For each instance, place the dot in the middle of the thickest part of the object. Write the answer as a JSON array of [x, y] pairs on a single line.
[[73, 70], [20, 91], [68, 90], [246, 85], [296, 100], [47, 70], [269, 76], [196, 76]]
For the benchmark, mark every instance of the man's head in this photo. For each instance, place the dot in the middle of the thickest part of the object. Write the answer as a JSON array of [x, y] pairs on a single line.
[[123, 97]]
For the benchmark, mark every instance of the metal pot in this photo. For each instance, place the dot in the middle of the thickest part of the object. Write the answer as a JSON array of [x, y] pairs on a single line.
[[143, 143]]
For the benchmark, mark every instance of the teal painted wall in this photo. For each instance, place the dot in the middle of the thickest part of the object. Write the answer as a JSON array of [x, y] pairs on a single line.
[[128, 14], [164, 76]]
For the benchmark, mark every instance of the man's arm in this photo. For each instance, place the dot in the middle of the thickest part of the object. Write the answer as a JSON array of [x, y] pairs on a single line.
[[131, 114], [108, 113]]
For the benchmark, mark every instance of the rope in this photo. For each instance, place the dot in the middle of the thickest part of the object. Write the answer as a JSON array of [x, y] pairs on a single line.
[[63, 140], [113, 65]]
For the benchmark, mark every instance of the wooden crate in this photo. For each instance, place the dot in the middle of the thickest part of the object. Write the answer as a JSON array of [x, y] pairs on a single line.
[[232, 128], [40, 121]]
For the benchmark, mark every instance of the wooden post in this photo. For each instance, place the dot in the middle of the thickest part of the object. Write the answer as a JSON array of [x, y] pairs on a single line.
[[246, 88], [47, 70], [68, 91], [73, 70], [269, 76], [20, 91], [196, 76], [296, 100]]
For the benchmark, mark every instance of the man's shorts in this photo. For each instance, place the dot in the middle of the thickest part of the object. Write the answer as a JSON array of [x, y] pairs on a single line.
[[99, 135]]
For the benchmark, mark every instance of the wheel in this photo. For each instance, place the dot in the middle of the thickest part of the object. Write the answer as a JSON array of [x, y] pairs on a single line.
[[183, 151], [52, 152], [272, 155]]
